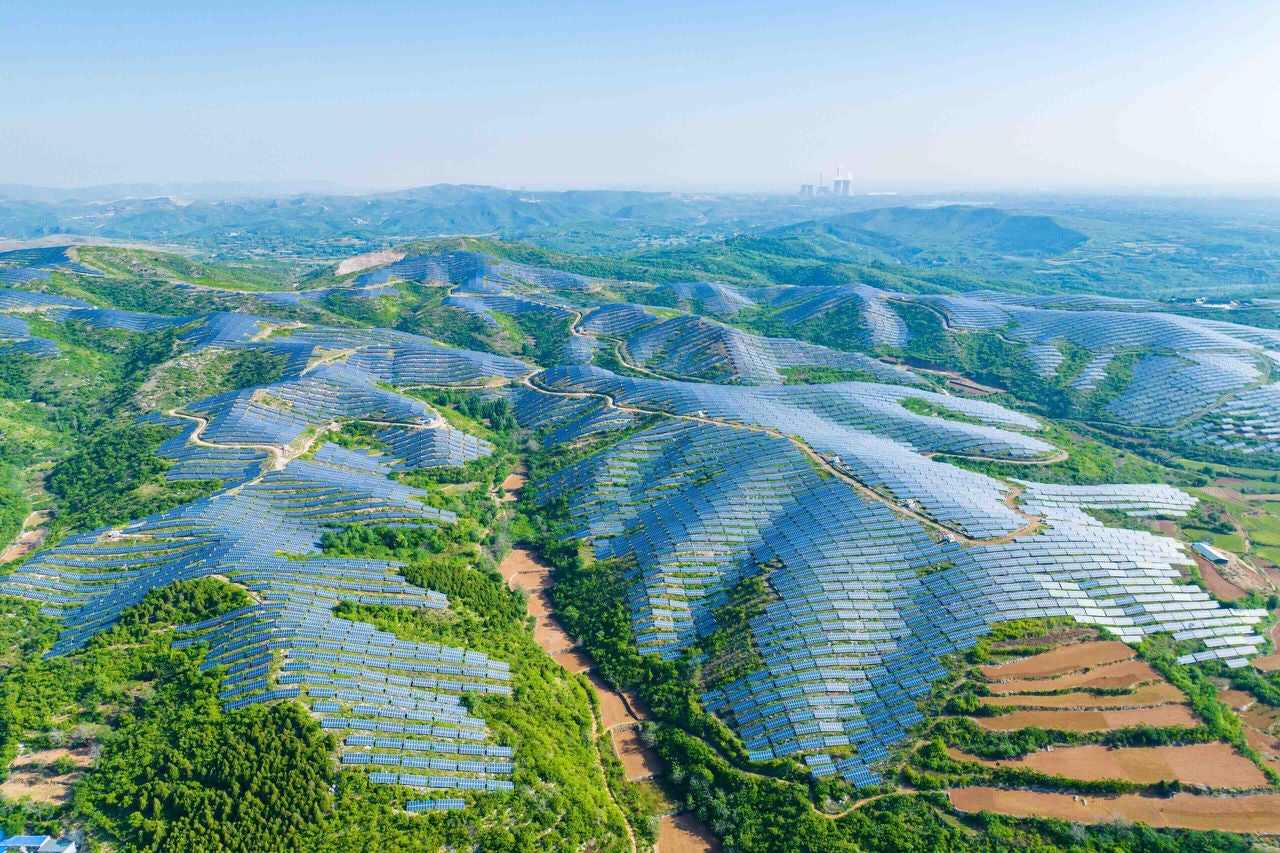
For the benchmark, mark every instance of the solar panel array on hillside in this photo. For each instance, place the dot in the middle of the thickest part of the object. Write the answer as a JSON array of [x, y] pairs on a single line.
[[1065, 301], [860, 598], [1186, 364], [860, 602], [431, 448], [472, 272], [1165, 390], [878, 324], [617, 318], [129, 321], [860, 427], [719, 299], [563, 419], [487, 306], [15, 336], [264, 534], [1249, 423], [23, 276], [32, 300], [49, 258], [579, 349], [694, 347]]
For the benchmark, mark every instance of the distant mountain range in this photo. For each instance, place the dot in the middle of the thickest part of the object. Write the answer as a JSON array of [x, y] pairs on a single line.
[[202, 190], [213, 217], [1109, 244]]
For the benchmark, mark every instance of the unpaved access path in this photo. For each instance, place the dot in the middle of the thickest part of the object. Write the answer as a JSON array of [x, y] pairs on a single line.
[[35, 527], [620, 712]]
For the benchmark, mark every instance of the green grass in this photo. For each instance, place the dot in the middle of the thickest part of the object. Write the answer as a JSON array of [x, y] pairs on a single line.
[[1264, 529], [1232, 542], [260, 275]]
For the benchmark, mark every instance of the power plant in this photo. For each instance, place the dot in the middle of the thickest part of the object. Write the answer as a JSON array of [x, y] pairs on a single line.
[[841, 185]]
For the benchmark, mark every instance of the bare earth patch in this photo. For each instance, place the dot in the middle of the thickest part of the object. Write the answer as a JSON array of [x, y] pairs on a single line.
[[1089, 721], [683, 833], [613, 711], [34, 529], [79, 757], [1218, 585], [1216, 765], [37, 787], [639, 760], [359, 263], [519, 561], [1258, 813], [573, 661], [1060, 661], [511, 485], [27, 777]]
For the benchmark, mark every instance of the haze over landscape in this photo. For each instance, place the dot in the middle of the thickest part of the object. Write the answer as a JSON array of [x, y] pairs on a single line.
[[676, 428]]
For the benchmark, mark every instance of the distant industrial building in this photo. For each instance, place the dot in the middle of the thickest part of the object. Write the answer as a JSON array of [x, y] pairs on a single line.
[[841, 184]]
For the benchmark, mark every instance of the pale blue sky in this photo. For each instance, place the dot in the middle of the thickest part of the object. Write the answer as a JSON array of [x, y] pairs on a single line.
[[661, 95]]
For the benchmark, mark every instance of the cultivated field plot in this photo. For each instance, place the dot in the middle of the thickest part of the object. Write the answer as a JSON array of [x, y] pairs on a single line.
[[1090, 721], [1215, 765], [1122, 674], [1259, 813], [1093, 698], [1060, 661], [1147, 695], [1056, 689]]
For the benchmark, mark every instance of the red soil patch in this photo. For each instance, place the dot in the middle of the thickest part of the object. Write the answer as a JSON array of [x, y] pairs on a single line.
[[1261, 717], [684, 833], [1237, 700], [520, 561], [1232, 496], [1218, 585], [1266, 744], [1089, 721], [546, 630], [34, 529], [639, 760], [1151, 694], [1126, 673], [573, 661], [1216, 765], [513, 484], [613, 711], [1060, 661], [1258, 813], [523, 570]]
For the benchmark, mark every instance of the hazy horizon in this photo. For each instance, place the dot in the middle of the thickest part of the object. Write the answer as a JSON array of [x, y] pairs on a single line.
[[927, 96], [965, 193]]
